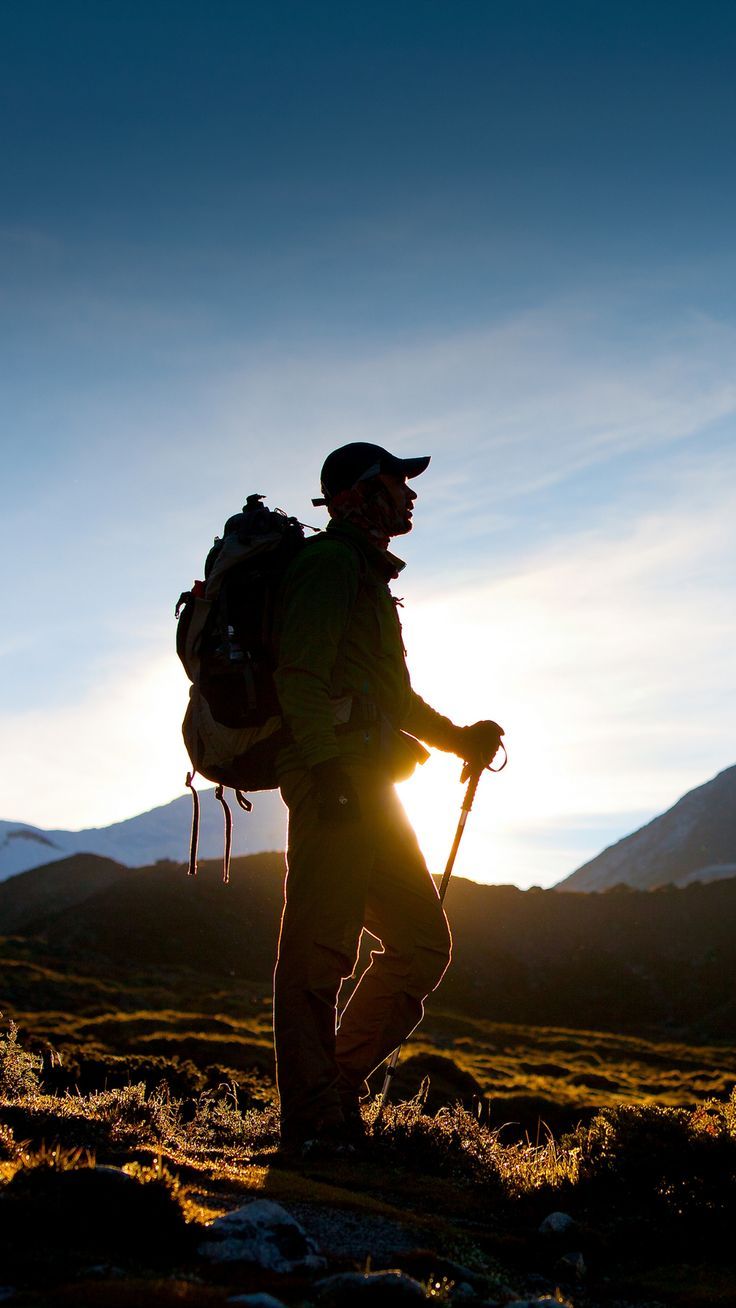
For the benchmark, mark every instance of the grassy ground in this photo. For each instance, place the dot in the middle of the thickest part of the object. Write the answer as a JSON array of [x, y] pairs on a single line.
[[643, 1185], [166, 1076], [106, 1026]]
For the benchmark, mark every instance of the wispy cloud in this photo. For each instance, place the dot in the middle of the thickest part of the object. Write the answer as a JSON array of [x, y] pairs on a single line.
[[523, 405]]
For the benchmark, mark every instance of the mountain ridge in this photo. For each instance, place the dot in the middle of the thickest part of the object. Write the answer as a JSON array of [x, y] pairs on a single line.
[[160, 833], [694, 840]]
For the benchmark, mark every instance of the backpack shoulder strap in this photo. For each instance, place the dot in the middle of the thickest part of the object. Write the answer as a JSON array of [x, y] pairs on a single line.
[[362, 588]]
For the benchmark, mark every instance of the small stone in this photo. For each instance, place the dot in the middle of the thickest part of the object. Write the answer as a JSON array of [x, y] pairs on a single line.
[[263, 1234], [557, 1224], [573, 1263], [539, 1285], [459, 1272], [256, 1300], [543, 1302], [463, 1293], [384, 1289]]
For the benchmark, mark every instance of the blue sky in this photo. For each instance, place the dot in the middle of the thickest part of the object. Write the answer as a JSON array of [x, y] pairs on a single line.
[[234, 236]]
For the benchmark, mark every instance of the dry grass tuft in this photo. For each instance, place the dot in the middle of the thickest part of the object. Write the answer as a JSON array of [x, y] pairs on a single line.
[[20, 1070]]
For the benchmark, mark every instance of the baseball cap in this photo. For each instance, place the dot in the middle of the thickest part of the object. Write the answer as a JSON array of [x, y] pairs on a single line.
[[361, 460]]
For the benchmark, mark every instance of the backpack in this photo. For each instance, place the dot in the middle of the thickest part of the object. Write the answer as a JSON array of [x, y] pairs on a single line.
[[232, 727]]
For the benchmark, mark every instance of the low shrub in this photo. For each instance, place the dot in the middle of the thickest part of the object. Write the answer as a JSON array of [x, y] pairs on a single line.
[[19, 1070], [134, 1115], [219, 1123], [60, 1207], [9, 1147], [217, 1120], [668, 1164], [451, 1143]]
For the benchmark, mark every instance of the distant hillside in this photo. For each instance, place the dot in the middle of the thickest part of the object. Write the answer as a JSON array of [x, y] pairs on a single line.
[[163, 832], [31, 900], [627, 960], [161, 915], [623, 960], [695, 840]]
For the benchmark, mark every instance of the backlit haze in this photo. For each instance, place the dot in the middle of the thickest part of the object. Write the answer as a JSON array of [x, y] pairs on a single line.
[[235, 236]]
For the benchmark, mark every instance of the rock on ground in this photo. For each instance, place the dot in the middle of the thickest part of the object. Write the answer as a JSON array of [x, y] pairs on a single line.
[[263, 1234], [573, 1263], [256, 1300], [384, 1289], [557, 1224], [546, 1301], [342, 1233]]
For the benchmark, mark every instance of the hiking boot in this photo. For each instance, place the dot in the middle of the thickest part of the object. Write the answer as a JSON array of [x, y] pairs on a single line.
[[355, 1127], [328, 1127], [335, 1141]]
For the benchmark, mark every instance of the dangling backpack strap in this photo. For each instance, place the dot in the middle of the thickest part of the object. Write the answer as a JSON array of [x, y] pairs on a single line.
[[194, 840], [243, 802], [220, 794]]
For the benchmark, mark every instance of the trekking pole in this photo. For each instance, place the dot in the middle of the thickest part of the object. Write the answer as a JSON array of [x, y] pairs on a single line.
[[467, 804]]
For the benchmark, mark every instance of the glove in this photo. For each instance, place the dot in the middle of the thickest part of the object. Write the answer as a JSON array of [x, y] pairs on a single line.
[[478, 746], [337, 801]]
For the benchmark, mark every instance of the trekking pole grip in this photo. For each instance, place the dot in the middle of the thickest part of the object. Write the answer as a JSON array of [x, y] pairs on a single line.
[[471, 790]]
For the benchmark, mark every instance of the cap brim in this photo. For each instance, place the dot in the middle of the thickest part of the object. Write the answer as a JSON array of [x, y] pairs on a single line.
[[413, 467]]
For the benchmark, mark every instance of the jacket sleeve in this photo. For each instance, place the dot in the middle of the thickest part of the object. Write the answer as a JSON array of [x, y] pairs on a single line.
[[319, 595], [424, 722]]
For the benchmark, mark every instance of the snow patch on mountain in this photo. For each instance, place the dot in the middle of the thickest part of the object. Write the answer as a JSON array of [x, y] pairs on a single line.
[[162, 833]]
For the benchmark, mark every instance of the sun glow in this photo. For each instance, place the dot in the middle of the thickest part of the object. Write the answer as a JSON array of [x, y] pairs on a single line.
[[466, 673], [580, 657]]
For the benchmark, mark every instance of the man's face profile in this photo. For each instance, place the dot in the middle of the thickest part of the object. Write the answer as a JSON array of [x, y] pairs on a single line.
[[403, 498]]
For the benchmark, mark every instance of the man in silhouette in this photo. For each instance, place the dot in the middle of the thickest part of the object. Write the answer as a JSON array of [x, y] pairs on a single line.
[[353, 858]]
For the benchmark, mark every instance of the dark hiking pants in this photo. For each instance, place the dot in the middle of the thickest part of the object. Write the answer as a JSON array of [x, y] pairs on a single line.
[[341, 878]]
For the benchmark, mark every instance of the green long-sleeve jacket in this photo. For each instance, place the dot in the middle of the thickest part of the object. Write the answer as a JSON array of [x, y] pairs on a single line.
[[339, 648]]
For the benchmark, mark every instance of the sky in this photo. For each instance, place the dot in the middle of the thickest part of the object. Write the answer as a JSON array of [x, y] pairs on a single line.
[[234, 236]]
